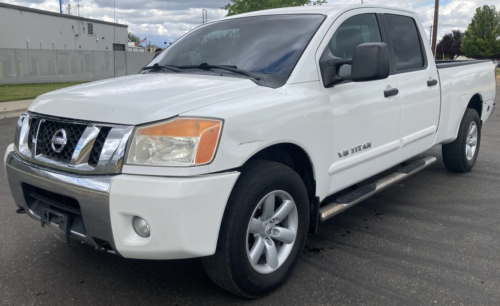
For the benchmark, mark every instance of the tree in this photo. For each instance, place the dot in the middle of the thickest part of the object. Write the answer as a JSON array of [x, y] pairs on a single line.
[[244, 6], [450, 45], [482, 38], [133, 38]]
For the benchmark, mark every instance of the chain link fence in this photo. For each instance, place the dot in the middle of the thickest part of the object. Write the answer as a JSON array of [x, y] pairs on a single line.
[[21, 66]]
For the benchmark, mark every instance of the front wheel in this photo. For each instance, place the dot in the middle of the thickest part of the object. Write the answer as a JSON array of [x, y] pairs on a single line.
[[461, 154], [263, 230]]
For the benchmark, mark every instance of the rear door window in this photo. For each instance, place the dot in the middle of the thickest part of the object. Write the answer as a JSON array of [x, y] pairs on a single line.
[[405, 43]]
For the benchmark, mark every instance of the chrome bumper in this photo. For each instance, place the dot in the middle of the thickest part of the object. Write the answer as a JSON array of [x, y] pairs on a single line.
[[91, 193]]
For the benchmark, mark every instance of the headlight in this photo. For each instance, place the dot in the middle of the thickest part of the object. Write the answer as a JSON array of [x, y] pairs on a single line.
[[178, 142]]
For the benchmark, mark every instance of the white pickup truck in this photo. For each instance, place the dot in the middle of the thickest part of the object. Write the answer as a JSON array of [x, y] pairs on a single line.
[[239, 139]]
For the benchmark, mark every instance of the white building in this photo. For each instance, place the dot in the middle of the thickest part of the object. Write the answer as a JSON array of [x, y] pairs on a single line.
[[133, 47], [26, 28]]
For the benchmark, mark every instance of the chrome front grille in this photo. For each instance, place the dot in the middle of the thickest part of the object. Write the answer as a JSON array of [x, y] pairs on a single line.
[[95, 154], [46, 131], [72, 145]]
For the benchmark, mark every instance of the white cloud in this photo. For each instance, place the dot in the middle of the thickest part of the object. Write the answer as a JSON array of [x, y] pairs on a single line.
[[161, 21]]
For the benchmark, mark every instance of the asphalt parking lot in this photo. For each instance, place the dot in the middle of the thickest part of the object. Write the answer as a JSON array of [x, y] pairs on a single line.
[[434, 239]]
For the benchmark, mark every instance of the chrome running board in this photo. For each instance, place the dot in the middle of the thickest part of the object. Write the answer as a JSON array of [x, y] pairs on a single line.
[[360, 194]]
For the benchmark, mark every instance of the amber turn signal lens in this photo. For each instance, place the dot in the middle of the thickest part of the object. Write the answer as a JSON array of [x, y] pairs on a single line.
[[207, 145]]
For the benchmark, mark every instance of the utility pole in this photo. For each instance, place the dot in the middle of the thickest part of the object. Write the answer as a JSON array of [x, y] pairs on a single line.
[[69, 9], [435, 27], [78, 7]]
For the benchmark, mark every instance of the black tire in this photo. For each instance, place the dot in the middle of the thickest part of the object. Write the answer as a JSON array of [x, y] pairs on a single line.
[[454, 154], [230, 267]]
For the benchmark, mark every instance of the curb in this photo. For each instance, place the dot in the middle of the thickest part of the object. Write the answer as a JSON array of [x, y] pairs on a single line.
[[13, 108]]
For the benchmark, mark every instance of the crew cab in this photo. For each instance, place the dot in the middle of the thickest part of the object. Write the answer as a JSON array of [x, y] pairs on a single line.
[[240, 138]]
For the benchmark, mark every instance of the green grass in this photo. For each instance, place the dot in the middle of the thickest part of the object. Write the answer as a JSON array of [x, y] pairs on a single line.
[[29, 91]]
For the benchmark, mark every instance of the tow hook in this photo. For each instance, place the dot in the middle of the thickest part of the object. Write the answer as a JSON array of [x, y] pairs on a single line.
[[102, 246]]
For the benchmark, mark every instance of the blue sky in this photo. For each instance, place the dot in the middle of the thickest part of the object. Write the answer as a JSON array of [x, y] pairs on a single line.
[[164, 21]]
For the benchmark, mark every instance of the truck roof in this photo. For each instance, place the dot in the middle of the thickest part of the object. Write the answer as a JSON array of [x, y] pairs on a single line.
[[316, 9]]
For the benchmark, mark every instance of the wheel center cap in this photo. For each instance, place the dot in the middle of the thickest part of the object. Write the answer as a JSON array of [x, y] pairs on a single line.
[[269, 229]]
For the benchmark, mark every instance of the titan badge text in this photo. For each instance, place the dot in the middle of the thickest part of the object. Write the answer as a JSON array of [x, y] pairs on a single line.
[[355, 149]]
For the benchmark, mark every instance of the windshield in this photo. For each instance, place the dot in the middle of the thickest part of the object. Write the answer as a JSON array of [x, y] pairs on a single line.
[[265, 46]]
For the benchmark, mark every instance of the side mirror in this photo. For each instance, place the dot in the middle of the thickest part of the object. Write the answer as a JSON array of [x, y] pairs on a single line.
[[371, 61], [329, 66]]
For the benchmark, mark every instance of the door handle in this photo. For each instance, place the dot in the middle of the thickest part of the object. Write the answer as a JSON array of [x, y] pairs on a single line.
[[431, 83], [391, 92]]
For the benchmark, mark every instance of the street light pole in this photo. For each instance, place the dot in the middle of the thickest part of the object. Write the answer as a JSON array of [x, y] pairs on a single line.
[[204, 15], [430, 36]]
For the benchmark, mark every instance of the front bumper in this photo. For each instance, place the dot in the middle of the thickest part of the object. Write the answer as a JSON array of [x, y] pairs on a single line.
[[184, 214]]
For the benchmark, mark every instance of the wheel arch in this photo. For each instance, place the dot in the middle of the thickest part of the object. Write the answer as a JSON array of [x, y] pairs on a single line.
[[295, 157], [476, 103]]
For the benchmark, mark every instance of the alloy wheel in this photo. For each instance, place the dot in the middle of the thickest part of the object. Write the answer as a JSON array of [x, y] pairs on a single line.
[[272, 232], [471, 142]]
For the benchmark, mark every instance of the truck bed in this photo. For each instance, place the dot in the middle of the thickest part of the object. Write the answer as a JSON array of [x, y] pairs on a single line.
[[461, 82], [450, 64]]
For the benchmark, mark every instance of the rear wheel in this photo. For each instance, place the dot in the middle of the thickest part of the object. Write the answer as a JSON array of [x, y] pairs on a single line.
[[263, 231], [461, 155]]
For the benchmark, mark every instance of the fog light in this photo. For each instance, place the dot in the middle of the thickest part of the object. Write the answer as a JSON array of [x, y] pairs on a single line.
[[141, 227]]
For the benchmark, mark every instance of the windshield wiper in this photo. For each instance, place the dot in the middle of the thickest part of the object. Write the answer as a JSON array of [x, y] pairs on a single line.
[[231, 68], [158, 67]]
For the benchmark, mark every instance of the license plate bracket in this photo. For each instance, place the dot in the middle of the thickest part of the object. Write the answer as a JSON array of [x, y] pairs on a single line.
[[63, 221]]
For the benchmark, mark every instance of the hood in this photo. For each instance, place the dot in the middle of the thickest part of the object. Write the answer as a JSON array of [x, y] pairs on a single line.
[[141, 98]]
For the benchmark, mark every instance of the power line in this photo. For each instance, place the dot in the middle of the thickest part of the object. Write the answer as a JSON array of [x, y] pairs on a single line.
[[399, 2], [442, 2], [419, 2]]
